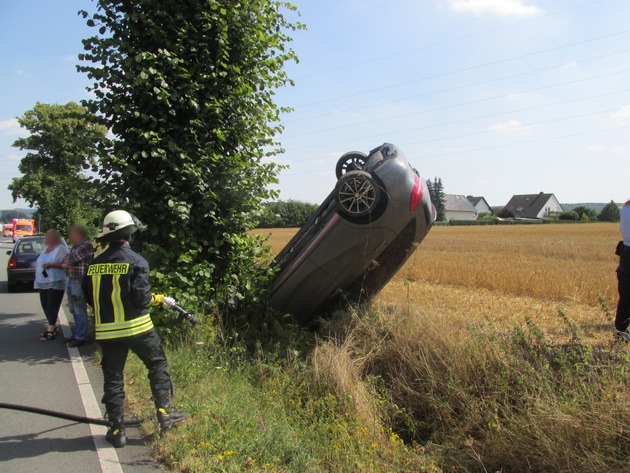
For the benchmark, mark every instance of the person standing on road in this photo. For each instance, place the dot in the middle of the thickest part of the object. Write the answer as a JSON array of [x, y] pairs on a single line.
[[117, 287], [51, 281], [76, 263], [623, 275]]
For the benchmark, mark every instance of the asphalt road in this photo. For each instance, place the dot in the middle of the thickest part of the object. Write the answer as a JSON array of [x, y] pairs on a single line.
[[41, 374]]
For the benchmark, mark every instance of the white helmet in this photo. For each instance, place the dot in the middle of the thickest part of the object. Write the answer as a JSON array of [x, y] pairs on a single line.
[[120, 224]]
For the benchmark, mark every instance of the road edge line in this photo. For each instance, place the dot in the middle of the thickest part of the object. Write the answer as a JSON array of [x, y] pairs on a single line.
[[107, 456]]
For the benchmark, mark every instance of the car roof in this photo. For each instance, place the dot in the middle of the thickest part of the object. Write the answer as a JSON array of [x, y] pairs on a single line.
[[30, 238]]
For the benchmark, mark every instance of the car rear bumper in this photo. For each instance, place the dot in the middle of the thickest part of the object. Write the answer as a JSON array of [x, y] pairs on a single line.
[[15, 276]]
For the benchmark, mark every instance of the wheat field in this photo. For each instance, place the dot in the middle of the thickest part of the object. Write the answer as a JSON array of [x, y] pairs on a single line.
[[506, 273]]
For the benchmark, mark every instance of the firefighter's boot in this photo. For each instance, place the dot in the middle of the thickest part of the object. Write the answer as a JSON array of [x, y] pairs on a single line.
[[116, 433], [167, 415]]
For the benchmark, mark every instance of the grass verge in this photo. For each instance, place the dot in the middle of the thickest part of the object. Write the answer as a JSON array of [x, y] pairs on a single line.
[[396, 390]]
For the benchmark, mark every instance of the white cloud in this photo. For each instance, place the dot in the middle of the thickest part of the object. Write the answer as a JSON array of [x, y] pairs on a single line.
[[513, 127], [623, 113], [11, 127], [495, 7], [509, 125], [70, 58]]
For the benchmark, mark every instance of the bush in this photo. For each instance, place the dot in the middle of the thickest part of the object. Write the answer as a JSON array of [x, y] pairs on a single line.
[[571, 215], [586, 214], [469, 223], [505, 213]]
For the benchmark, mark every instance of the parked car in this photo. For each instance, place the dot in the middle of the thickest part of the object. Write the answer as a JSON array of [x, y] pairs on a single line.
[[357, 240], [21, 267]]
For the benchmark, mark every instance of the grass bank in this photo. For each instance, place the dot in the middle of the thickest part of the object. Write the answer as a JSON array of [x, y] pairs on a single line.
[[393, 391]]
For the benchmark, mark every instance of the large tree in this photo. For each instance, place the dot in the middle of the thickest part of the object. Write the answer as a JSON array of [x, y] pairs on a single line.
[[188, 88], [610, 212], [438, 197], [64, 142]]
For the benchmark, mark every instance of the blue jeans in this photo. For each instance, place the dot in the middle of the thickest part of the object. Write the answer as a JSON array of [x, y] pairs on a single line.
[[78, 308]]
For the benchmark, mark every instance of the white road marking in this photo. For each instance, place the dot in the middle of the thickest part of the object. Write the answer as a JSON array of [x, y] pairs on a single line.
[[107, 456]]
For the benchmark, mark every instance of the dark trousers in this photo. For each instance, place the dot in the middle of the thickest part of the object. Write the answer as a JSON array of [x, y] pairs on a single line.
[[148, 348], [623, 275], [51, 302]]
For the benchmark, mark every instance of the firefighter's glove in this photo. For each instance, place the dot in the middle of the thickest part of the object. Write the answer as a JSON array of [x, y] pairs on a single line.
[[157, 300]]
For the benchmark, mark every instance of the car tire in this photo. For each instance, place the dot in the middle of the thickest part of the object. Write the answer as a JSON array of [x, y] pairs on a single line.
[[352, 161], [357, 194], [12, 288]]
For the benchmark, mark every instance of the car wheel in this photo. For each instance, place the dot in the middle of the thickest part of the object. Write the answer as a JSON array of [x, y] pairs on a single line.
[[357, 194], [352, 161], [12, 288]]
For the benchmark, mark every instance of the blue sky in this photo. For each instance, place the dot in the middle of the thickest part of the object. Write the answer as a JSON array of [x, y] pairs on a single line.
[[496, 97]]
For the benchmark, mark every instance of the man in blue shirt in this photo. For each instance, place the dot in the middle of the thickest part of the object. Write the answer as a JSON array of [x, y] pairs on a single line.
[[623, 275]]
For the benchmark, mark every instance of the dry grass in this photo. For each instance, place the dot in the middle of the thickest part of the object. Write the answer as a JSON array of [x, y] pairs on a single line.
[[483, 399]]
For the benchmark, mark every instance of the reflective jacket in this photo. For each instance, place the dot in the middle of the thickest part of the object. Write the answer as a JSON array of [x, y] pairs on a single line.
[[117, 287]]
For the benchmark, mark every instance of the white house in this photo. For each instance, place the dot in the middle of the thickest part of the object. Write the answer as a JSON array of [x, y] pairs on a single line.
[[533, 205], [458, 207], [480, 204]]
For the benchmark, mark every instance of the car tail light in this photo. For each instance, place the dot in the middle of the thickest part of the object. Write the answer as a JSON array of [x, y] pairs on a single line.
[[416, 194], [12, 263]]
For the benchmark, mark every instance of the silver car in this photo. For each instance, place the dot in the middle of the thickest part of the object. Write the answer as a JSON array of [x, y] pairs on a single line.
[[357, 240]]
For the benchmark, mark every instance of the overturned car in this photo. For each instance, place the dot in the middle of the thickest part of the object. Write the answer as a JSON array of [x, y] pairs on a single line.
[[357, 240]]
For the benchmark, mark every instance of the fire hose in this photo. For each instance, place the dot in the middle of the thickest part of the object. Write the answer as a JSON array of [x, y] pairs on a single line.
[[134, 421]]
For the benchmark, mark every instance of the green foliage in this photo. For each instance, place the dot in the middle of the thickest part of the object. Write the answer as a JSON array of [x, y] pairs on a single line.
[[438, 197], [64, 142], [472, 223], [505, 213], [188, 90], [610, 213], [570, 215], [286, 214], [586, 214]]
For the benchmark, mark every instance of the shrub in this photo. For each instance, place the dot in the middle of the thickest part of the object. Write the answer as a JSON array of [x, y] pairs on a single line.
[[570, 215], [586, 214], [505, 213]]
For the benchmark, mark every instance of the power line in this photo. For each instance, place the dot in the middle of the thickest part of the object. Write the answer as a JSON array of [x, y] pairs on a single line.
[[448, 41], [441, 91], [512, 127], [486, 148], [540, 140], [466, 69], [464, 120], [470, 102]]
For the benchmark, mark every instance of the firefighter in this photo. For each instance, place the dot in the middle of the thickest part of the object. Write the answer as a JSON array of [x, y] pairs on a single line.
[[117, 287]]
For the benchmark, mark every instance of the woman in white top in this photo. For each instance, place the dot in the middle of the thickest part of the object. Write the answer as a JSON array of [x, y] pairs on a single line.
[[623, 275], [51, 282]]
